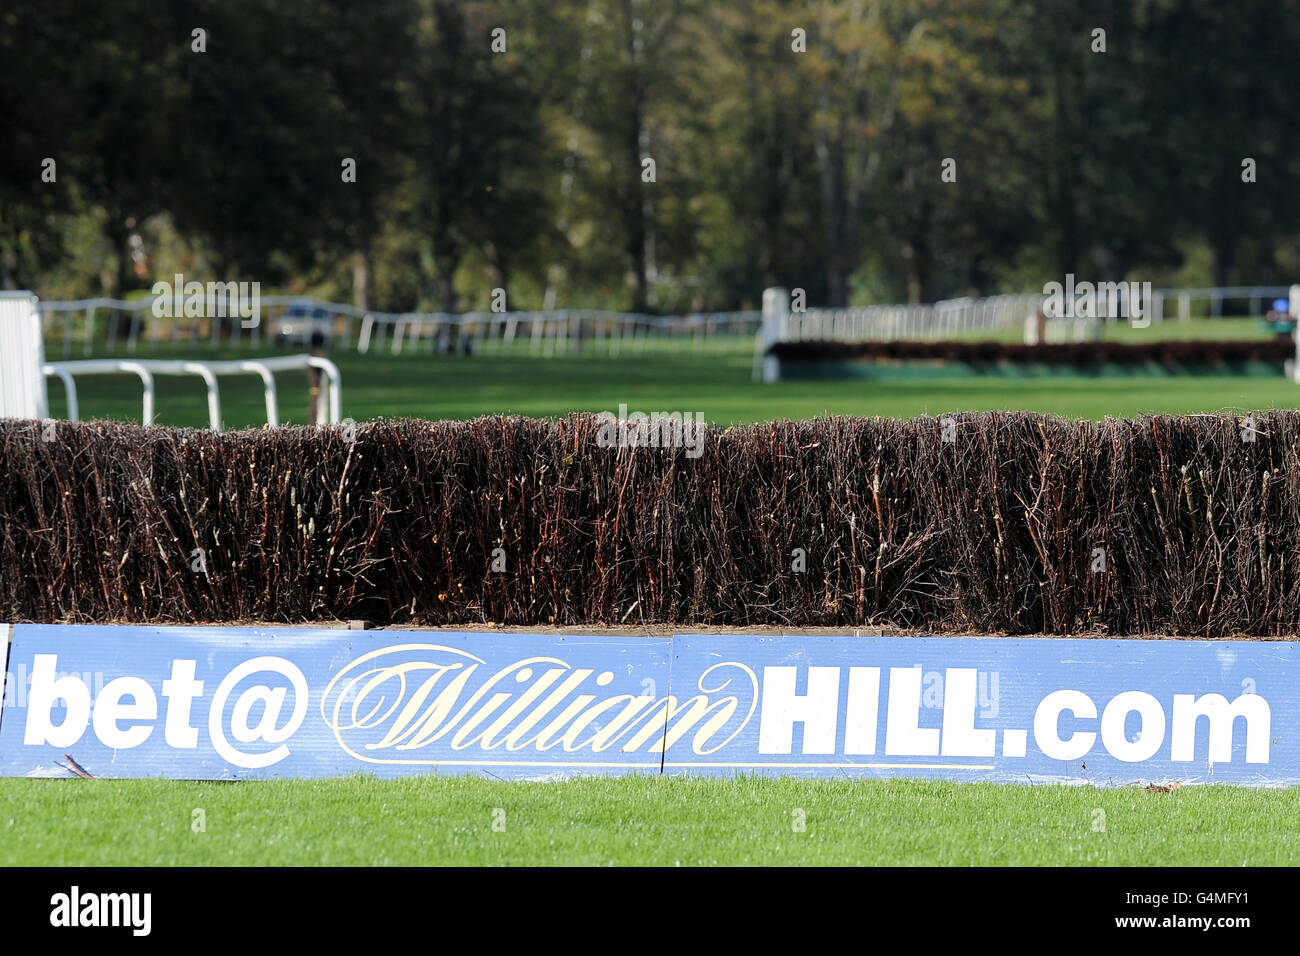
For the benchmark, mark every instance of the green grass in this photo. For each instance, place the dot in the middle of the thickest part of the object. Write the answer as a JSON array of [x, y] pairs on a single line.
[[718, 385], [639, 820]]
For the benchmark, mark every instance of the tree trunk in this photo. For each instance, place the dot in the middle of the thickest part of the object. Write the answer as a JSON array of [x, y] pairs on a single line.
[[119, 237], [1268, 268], [916, 250], [361, 279], [1224, 259], [837, 285], [634, 222], [447, 301], [915, 279], [446, 296]]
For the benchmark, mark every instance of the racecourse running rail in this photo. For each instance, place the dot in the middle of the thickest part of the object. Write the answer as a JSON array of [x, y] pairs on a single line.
[[23, 371]]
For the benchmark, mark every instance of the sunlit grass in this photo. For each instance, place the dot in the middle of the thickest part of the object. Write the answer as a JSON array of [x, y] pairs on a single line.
[[718, 384], [638, 820]]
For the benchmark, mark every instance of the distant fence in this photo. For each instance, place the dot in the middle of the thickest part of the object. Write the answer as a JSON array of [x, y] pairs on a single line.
[[89, 326], [93, 326], [1254, 298], [955, 317], [887, 322], [961, 318], [942, 320]]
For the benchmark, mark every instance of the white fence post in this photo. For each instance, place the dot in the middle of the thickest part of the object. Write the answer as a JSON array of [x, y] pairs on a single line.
[[1293, 310], [775, 328], [22, 358]]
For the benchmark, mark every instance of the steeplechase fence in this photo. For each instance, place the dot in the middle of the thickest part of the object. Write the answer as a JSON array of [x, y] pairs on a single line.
[[999, 522], [786, 330]]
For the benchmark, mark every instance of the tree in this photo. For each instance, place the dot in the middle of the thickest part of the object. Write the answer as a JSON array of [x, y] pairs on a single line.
[[476, 133], [853, 72], [756, 154]]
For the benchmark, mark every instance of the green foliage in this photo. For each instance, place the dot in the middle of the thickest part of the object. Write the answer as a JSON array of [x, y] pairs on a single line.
[[504, 143]]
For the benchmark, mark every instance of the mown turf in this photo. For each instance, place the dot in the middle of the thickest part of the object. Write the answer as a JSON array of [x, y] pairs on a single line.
[[639, 820], [718, 385]]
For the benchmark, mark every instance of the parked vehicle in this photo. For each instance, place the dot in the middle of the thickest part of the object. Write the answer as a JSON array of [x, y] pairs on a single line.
[[303, 324]]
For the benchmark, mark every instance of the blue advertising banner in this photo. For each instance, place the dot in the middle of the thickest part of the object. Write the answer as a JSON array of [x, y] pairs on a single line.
[[1005, 709], [226, 703], [229, 703]]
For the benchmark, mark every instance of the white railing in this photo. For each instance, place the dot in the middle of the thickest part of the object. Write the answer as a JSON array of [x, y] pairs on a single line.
[[957, 317], [888, 322], [1256, 297], [881, 323], [94, 325], [329, 402], [23, 371]]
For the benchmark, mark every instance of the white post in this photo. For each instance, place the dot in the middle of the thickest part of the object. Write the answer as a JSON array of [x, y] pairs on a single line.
[[22, 358], [368, 323], [1031, 329], [1293, 309], [776, 322]]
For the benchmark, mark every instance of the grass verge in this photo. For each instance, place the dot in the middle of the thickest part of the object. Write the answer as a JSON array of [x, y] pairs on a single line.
[[638, 820]]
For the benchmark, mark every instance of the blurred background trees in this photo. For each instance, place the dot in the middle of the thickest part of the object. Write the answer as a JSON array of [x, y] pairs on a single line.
[[655, 155]]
